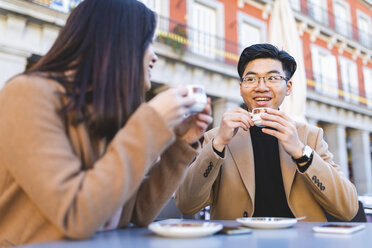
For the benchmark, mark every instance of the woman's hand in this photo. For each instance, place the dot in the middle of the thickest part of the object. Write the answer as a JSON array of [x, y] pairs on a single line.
[[194, 126], [172, 105]]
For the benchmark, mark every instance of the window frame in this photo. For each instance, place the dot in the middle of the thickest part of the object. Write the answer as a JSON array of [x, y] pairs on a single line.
[[349, 31], [368, 42], [352, 84], [295, 4], [324, 11], [220, 19], [164, 8], [368, 89], [245, 18], [322, 85]]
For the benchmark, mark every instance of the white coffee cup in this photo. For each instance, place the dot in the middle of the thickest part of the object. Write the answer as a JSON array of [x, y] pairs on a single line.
[[197, 91], [256, 116]]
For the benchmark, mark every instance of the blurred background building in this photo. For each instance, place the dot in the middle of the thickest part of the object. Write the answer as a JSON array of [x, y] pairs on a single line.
[[199, 42]]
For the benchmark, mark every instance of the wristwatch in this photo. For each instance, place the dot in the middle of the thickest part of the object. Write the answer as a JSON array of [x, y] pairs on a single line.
[[307, 156]]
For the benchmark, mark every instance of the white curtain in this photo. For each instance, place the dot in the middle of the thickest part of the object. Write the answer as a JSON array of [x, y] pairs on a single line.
[[283, 34]]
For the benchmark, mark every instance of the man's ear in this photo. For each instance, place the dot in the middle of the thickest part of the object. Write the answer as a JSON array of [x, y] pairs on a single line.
[[289, 88]]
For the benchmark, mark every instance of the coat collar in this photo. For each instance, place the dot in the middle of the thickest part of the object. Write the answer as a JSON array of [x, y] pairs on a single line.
[[242, 154]]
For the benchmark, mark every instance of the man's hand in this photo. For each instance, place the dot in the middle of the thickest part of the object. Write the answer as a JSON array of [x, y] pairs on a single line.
[[285, 131], [194, 126], [231, 121]]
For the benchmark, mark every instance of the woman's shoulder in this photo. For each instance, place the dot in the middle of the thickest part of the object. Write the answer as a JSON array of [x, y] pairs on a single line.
[[34, 82], [32, 88]]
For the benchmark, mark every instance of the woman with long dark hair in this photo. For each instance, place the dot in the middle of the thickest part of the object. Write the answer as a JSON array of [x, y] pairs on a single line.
[[80, 150]]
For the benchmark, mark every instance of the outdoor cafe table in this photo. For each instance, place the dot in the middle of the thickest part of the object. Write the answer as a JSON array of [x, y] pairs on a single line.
[[300, 235]]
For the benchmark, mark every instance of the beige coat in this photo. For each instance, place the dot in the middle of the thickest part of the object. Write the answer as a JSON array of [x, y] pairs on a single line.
[[56, 182], [229, 186]]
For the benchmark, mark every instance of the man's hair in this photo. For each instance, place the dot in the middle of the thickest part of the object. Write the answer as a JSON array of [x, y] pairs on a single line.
[[103, 43], [263, 51]]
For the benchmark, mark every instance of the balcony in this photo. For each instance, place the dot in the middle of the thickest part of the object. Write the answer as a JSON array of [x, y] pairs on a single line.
[[183, 38], [327, 89], [337, 23]]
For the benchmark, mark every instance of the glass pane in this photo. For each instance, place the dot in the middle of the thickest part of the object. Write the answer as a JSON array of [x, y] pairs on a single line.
[[204, 30], [345, 78], [249, 35], [295, 4], [154, 5], [367, 74], [318, 11], [340, 18], [363, 27]]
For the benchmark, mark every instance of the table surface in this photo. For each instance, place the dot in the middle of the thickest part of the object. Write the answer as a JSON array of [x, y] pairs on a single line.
[[300, 235]]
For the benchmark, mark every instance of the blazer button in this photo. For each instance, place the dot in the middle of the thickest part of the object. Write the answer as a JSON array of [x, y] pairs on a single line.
[[205, 174], [245, 214], [322, 188], [314, 178]]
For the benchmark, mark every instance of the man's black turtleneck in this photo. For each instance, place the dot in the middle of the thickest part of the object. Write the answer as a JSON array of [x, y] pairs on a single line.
[[270, 199]]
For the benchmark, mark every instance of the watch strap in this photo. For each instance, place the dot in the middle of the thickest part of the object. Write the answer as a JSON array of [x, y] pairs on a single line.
[[304, 158]]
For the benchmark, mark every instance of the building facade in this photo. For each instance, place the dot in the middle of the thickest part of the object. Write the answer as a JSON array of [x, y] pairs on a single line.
[[199, 42]]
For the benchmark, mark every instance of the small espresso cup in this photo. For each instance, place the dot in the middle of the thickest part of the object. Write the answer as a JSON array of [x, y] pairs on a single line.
[[256, 116], [197, 91]]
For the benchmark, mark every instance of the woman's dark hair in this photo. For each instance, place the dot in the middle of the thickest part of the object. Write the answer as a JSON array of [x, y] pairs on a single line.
[[103, 43], [260, 51]]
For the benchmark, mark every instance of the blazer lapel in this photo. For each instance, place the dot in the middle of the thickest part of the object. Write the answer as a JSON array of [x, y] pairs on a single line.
[[242, 154], [288, 168]]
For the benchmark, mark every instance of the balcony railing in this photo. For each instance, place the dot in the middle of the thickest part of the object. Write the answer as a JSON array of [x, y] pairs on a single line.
[[184, 38], [59, 5], [337, 23], [315, 83]]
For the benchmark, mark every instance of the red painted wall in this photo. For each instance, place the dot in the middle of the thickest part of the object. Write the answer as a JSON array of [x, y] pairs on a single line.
[[178, 13]]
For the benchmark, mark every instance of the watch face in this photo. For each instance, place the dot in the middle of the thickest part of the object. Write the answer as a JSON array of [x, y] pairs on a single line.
[[307, 151]]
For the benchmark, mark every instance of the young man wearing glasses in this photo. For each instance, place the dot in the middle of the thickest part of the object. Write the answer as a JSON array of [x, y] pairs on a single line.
[[281, 170]]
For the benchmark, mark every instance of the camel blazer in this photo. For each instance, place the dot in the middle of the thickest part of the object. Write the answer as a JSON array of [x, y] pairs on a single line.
[[57, 182], [228, 184]]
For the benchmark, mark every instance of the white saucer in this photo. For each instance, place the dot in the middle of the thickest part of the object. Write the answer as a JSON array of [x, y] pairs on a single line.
[[184, 229], [267, 222]]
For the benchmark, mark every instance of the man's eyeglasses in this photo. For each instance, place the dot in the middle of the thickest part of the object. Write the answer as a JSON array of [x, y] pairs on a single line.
[[269, 80]]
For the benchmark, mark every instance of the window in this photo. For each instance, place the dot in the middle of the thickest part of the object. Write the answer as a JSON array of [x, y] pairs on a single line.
[[367, 74], [364, 28], [318, 10], [342, 17], [324, 71], [161, 7], [349, 79], [295, 4], [251, 30], [205, 17]]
